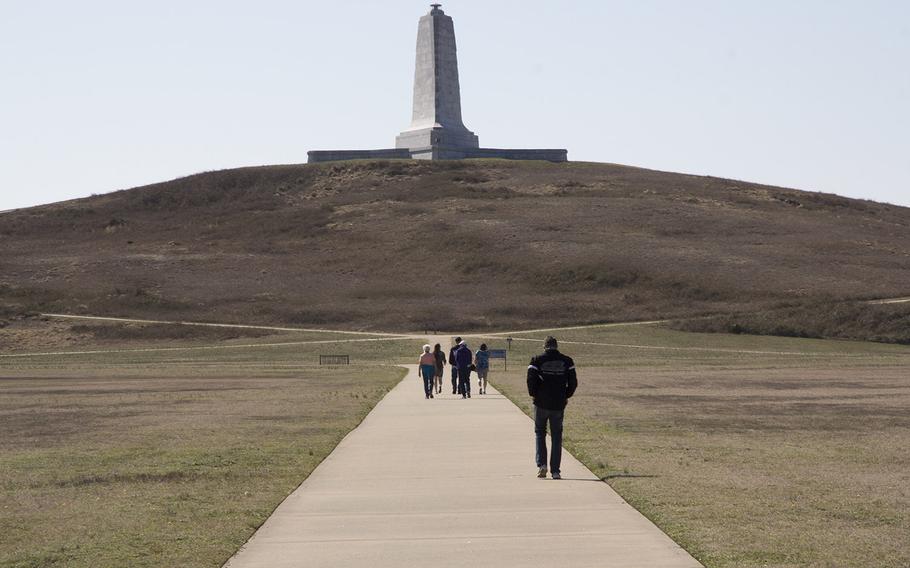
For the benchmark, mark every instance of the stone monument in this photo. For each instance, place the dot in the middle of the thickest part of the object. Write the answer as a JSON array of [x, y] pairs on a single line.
[[437, 131], [436, 121]]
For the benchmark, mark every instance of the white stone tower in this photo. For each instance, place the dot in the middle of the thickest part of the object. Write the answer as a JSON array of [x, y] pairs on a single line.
[[437, 131], [436, 121]]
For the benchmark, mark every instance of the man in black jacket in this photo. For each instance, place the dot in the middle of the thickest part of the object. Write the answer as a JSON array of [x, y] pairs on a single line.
[[453, 364], [551, 382]]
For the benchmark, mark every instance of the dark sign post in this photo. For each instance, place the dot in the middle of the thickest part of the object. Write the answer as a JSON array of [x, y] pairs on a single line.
[[509, 341], [500, 354]]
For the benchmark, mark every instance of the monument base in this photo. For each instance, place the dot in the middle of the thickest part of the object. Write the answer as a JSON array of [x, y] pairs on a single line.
[[438, 153], [315, 156], [437, 136], [444, 153]]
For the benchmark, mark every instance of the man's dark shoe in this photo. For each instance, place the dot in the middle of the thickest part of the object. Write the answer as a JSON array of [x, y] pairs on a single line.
[[557, 476], [542, 472]]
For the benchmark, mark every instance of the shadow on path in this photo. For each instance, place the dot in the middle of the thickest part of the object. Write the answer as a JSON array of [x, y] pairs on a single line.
[[627, 476]]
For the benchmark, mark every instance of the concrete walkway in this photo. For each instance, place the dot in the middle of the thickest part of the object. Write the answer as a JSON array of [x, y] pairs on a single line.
[[450, 482]]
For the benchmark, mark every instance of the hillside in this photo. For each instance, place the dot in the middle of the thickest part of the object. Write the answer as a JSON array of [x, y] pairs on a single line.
[[448, 246]]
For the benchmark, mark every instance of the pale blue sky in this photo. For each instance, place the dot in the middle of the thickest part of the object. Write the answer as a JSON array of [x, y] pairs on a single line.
[[99, 95]]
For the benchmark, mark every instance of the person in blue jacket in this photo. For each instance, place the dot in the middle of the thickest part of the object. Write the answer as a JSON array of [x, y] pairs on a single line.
[[482, 365], [463, 360]]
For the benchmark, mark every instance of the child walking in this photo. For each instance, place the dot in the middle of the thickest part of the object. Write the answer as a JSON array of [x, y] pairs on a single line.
[[482, 364], [440, 366]]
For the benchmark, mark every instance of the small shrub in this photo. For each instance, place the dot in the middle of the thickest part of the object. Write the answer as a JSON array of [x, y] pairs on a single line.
[[826, 319], [471, 178]]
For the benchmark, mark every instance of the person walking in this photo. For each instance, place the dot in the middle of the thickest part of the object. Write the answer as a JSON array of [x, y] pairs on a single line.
[[427, 364], [551, 383], [452, 364], [482, 365], [463, 360], [440, 366]]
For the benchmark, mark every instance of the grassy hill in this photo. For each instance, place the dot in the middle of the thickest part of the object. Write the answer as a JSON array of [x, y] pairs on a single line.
[[448, 246]]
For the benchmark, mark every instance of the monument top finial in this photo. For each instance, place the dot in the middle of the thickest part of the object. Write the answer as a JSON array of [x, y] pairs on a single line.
[[436, 8]]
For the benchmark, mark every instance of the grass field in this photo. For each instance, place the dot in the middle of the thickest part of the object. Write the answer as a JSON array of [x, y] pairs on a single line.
[[169, 450], [170, 458], [748, 451]]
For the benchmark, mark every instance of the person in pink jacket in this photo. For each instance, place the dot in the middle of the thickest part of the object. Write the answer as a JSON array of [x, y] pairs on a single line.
[[427, 364]]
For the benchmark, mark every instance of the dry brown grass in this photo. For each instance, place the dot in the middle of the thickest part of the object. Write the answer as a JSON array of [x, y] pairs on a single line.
[[749, 460], [168, 458], [35, 334], [349, 245]]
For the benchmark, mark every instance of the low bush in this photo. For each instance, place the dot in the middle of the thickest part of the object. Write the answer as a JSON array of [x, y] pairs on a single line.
[[888, 323]]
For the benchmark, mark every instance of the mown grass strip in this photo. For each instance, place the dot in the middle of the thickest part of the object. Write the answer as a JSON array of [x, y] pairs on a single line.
[[165, 465]]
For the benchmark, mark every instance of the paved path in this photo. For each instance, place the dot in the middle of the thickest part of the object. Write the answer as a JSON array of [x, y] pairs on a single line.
[[313, 330], [891, 301], [451, 482], [571, 328]]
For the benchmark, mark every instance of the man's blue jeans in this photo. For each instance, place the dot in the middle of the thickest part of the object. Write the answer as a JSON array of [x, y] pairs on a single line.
[[454, 378], [464, 381], [554, 417], [428, 372]]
